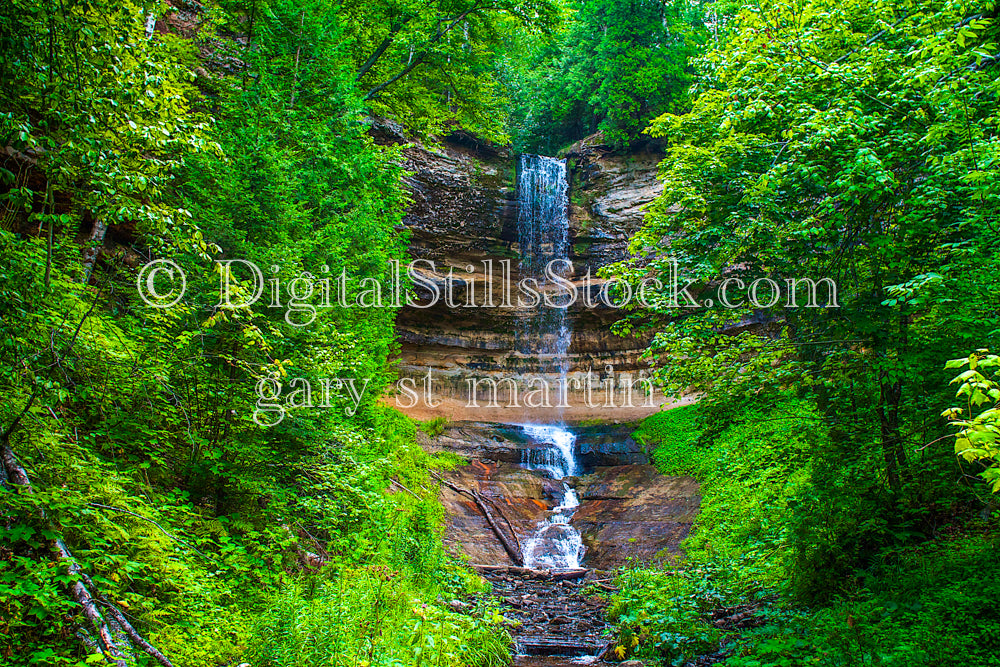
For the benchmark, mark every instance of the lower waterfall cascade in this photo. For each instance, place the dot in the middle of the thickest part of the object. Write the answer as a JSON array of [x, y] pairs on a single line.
[[555, 544]]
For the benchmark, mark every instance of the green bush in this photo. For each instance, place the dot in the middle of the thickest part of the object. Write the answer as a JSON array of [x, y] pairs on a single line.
[[928, 606], [662, 615], [373, 616], [670, 437], [434, 427], [766, 524]]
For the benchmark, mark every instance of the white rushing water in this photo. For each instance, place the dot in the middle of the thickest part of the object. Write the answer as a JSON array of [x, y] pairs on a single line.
[[555, 544], [543, 237], [558, 460]]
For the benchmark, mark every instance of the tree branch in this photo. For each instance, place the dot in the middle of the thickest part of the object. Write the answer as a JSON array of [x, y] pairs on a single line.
[[386, 43], [110, 647], [512, 550], [420, 57]]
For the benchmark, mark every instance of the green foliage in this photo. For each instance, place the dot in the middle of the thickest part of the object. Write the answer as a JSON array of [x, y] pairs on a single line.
[[853, 142], [663, 615], [750, 473], [613, 67], [762, 532], [104, 110], [366, 616], [976, 439], [927, 607], [815, 150], [437, 65], [434, 427], [136, 425], [670, 437]]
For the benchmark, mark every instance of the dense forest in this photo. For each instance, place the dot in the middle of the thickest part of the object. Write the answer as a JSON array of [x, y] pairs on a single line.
[[151, 512]]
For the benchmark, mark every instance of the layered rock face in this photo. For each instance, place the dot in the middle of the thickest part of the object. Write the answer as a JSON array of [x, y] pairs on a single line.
[[463, 236], [627, 510], [631, 512]]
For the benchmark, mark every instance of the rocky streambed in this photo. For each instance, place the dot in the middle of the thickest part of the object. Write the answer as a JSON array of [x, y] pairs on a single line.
[[558, 620]]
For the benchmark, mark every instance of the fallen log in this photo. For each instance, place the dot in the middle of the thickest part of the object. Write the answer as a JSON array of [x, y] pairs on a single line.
[[606, 651], [554, 646], [113, 652], [530, 573], [512, 550], [136, 638], [513, 532]]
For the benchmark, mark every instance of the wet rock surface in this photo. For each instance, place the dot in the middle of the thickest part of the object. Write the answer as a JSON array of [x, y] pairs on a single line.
[[559, 622], [632, 512], [464, 212], [518, 498], [609, 191], [626, 511], [598, 445]]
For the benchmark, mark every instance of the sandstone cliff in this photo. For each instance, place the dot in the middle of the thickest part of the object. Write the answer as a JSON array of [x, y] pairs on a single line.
[[463, 218]]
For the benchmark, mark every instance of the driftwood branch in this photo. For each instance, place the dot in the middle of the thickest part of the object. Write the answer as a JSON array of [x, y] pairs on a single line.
[[401, 486], [606, 651], [512, 549], [94, 244], [419, 58], [509, 547], [386, 43], [513, 532], [136, 638], [113, 653]]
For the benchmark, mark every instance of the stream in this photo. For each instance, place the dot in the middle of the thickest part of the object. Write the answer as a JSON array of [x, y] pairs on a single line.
[[556, 617]]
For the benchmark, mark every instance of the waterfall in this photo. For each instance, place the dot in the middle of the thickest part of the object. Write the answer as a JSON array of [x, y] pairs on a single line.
[[555, 544], [558, 460], [543, 237]]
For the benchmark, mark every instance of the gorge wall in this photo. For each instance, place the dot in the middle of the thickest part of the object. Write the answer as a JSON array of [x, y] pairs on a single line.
[[463, 218]]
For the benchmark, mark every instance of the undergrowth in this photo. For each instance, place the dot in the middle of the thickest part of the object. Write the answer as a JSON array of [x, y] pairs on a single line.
[[921, 600], [214, 590], [368, 616]]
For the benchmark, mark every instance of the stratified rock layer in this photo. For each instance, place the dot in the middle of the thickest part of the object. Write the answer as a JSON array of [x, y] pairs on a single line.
[[633, 512], [463, 218]]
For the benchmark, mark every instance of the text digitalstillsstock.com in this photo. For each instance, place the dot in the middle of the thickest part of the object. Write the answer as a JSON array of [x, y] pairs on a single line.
[[304, 295], [162, 284]]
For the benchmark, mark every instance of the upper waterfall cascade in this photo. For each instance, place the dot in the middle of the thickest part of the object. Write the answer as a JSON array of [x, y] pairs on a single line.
[[543, 239]]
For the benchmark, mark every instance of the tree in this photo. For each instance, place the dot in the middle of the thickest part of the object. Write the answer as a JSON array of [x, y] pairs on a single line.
[[851, 141], [102, 110], [615, 66], [435, 62]]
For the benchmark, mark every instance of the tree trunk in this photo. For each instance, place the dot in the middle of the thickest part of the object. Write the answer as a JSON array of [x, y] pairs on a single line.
[[93, 249], [513, 550], [892, 443]]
